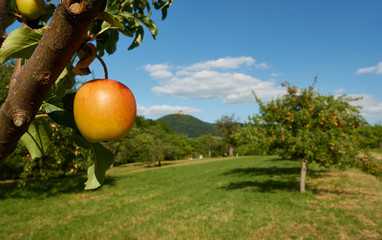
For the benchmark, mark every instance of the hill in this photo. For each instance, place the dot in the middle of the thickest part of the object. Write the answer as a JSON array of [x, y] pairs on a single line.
[[186, 124]]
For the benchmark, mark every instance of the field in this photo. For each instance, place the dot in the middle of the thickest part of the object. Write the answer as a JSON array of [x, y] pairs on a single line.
[[228, 198]]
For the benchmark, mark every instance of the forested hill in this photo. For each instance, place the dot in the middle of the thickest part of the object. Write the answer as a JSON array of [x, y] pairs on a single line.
[[186, 124]]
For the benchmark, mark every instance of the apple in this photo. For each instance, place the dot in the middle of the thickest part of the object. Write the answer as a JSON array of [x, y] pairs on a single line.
[[104, 110], [31, 9]]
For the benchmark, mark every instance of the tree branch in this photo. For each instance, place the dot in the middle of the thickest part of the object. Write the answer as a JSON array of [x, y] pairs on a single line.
[[65, 33], [15, 74]]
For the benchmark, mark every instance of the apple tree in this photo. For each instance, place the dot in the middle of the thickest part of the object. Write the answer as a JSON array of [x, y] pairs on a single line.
[[371, 136], [304, 124], [228, 126], [54, 44]]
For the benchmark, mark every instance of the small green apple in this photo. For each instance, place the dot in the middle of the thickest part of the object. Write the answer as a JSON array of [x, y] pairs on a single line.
[[31, 9]]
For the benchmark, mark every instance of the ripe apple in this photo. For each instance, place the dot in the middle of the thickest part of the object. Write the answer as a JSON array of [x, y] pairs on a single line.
[[104, 110], [31, 9]]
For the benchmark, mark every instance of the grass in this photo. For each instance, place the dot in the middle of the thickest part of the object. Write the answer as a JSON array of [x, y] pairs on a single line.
[[237, 198], [377, 151]]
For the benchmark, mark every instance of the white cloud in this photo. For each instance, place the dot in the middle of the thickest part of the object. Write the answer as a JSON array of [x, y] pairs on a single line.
[[211, 79], [340, 91], [223, 63], [371, 108], [158, 71], [373, 69], [161, 110]]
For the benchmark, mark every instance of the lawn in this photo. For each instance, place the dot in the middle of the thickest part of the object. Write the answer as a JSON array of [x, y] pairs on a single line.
[[229, 198]]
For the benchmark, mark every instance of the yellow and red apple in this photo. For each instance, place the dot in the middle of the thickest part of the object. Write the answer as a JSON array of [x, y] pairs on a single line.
[[31, 9], [104, 110]]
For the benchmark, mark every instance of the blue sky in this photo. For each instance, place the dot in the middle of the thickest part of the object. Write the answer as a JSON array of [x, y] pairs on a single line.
[[210, 55]]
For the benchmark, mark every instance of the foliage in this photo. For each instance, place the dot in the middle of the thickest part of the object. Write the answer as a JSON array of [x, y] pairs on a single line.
[[61, 157], [189, 125], [120, 16], [228, 127], [303, 124], [14, 165], [371, 136], [6, 71], [252, 140], [370, 164], [209, 145], [152, 141]]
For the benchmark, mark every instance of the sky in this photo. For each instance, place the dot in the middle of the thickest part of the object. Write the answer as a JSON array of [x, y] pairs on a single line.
[[208, 56]]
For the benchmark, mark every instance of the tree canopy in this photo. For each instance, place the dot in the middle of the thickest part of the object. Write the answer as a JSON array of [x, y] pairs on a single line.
[[304, 124]]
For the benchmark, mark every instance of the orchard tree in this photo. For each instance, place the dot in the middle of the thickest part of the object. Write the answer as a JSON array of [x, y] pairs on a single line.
[[252, 140], [228, 126], [305, 125], [208, 145], [54, 44], [371, 136]]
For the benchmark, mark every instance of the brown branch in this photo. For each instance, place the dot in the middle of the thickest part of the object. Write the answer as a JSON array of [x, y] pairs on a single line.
[[15, 74], [65, 33], [4, 7]]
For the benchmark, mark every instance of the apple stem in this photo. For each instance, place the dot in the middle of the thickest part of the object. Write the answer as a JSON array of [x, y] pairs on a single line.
[[104, 66]]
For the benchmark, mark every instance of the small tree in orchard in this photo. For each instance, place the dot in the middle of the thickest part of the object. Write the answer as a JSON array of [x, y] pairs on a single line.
[[305, 125], [228, 126], [54, 44]]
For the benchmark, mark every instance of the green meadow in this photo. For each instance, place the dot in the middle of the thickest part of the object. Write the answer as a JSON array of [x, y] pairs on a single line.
[[227, 198]]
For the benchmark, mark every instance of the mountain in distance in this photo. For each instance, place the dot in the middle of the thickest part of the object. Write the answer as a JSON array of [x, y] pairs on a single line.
[[181, 123]]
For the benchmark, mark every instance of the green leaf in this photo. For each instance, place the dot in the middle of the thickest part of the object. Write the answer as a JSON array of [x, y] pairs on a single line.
[[60, 110], [148, 23], [163, 6], [12, 6], [48, 12], [82, 142], [38, 137], [113, 22], [65, 81], [138, 38], [21, 43], [100, 47], [111, 43], [96, 172]]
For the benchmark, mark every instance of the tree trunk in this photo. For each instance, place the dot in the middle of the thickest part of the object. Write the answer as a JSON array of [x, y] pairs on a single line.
[[230, 150], [304, 169], [66, 31]]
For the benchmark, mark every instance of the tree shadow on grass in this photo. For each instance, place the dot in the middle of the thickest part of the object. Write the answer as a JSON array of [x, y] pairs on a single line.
[[268, 179], [265, 186], [48, 188]]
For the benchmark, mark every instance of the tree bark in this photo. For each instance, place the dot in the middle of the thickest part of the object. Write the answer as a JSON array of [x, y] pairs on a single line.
[[304, 169], [64, 35], [231, 150]]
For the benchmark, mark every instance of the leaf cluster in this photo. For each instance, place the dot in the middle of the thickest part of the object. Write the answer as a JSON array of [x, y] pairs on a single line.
[[307, 125]]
